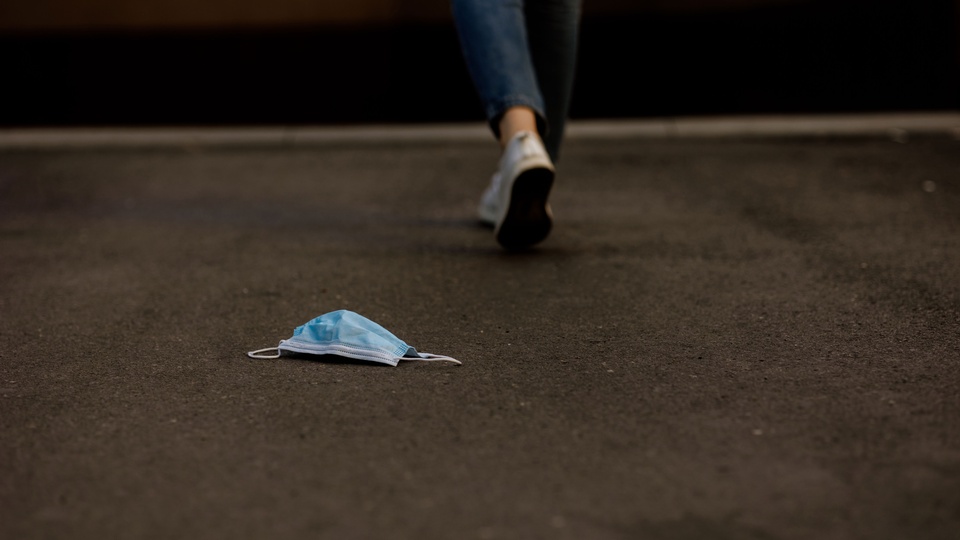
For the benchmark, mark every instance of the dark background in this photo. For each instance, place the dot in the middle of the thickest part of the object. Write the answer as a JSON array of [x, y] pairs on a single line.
[[705, 59]]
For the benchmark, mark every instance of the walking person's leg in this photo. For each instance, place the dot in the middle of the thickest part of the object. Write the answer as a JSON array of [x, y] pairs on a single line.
[[521, 58], [553, 29]]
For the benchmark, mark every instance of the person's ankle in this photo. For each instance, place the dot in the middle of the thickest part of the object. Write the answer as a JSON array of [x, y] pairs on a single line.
[[515, 120]]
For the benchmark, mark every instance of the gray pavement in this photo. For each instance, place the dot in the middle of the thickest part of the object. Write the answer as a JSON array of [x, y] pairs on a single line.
[[725, 337]]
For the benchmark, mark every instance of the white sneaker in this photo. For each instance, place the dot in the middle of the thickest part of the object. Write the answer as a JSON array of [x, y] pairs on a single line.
[[515, 203]]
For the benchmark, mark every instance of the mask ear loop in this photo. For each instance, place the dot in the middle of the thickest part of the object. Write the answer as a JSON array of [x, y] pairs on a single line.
[[427, 357], [259, 353]]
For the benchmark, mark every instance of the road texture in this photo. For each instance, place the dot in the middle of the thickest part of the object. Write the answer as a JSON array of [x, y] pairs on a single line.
[[725, 337]]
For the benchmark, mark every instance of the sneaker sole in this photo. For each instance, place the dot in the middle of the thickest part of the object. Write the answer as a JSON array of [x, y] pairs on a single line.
[[527, 220]]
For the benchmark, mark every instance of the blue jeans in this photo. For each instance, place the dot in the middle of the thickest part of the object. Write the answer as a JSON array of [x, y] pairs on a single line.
[[522, 53]]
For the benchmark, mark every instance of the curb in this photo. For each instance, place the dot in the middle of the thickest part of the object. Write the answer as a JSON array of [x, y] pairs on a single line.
[[897, 126]]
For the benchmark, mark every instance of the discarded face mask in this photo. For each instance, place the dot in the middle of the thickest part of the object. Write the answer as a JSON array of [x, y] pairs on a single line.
[[345, 333]]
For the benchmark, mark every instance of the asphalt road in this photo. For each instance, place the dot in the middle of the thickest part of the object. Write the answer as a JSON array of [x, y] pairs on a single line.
[[753, 338]]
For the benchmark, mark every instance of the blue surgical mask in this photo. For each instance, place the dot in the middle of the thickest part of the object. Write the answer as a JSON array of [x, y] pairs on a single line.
[[345, 333]]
